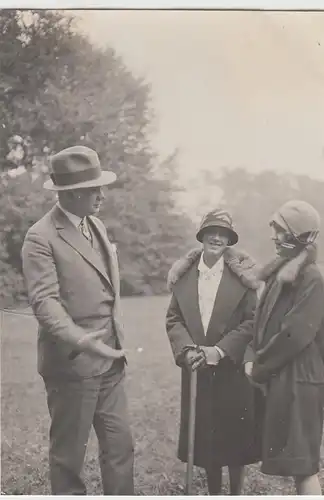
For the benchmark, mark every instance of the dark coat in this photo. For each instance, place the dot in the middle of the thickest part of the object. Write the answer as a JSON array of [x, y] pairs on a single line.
[[225, 421], [288, 353]]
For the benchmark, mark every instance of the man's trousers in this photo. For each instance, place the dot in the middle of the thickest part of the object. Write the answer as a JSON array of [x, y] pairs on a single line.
[[76, 405]]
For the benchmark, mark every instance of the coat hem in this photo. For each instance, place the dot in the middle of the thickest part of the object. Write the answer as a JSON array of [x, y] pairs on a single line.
[[221, 463], [289, 467]]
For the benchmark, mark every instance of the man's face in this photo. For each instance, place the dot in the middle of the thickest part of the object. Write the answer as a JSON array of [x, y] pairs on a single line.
[[86, 201], [215, 241]]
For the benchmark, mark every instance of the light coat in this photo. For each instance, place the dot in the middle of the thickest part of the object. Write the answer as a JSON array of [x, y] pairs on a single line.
[[66, 280]]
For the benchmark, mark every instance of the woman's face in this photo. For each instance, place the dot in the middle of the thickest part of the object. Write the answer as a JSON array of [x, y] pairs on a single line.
[[215, 241], [284, 245]]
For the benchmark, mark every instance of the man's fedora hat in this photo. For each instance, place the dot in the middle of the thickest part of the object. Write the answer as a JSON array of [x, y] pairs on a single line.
[[77, 167], [218, 218]]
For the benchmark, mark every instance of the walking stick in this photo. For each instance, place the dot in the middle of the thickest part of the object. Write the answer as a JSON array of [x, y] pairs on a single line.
[[191, 431]]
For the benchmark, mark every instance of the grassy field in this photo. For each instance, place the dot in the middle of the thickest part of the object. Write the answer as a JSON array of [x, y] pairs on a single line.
[[153, 389]]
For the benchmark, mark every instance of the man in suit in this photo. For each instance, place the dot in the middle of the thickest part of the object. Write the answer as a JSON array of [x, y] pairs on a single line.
[[72, 278]]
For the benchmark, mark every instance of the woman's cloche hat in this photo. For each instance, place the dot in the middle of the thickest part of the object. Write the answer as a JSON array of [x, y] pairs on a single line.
[[218, 218]]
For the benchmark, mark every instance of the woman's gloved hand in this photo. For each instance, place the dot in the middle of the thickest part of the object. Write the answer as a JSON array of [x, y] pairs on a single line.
[[197, 357], [210, 355], [248, 368], [193, 357]]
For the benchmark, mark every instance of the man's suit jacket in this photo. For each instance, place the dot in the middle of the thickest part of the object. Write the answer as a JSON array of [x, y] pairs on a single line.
[[67, 284]]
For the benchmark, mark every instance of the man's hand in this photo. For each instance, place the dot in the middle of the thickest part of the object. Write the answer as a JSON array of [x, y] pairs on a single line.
[[92, 342], [108, 352]]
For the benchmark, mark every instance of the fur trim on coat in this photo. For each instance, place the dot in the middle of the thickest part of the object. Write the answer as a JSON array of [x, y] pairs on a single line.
[[288, 269], [239, 262]]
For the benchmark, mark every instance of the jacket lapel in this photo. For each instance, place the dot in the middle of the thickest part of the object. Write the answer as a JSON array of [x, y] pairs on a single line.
[[228, 296], [112, 258], [110, 251], [186, 291], [74, 238]]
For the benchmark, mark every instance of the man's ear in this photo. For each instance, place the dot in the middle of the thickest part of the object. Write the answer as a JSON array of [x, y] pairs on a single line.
[[72, 194]]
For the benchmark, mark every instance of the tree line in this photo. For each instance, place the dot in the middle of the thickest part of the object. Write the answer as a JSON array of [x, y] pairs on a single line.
[[57, 90]]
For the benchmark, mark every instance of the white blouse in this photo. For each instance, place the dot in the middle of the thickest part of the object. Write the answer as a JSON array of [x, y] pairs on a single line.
[[208, 283]]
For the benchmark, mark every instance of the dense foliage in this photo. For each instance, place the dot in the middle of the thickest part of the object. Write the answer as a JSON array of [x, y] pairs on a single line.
[[57, 90]]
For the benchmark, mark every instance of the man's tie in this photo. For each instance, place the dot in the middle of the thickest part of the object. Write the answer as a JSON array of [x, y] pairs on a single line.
[[85, 230]]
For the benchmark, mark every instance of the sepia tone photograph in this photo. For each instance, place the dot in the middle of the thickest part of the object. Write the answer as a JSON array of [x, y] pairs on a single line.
[[161, 252]]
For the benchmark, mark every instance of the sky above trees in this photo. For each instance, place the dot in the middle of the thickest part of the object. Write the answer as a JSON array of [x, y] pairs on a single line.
[[229, 88]]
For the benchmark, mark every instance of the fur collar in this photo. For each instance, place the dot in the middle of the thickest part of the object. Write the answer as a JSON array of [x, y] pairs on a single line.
[[287, 270], [239, 262]]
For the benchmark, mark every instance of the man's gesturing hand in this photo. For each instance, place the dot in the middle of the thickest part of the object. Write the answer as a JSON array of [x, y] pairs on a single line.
[[92, 342]]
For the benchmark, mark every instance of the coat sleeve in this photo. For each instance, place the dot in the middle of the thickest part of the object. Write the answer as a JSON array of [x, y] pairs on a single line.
[[298, 329], [320, 340], [43, 290], [236, 342], [177, 331]]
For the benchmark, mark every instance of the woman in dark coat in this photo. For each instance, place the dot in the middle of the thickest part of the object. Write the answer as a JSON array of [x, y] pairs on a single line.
[[220, 280], [287, 352]]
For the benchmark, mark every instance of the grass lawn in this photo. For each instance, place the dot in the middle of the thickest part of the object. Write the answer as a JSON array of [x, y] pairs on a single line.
[[153, 390]]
